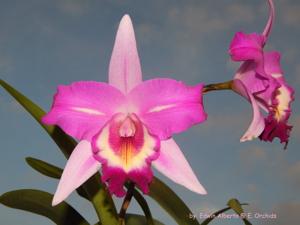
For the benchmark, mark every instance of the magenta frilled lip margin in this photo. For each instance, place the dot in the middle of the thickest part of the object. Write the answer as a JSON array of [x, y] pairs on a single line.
[[126, 126], [260, 80]]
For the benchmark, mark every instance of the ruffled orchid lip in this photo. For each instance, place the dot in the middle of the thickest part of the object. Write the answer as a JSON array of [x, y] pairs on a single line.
[[127, 154], [109, 137]]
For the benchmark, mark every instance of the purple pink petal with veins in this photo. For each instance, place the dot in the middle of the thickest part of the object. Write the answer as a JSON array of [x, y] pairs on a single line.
[[126, 126], [260, 80]]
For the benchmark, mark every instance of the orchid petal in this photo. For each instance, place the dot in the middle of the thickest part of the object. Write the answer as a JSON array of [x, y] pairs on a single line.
[[274, 74], [174, 165], [82, 108], [80, 167], [246, 47], [266, 97], [272, 64], [167, 106], [257, 125], [250, 78], [124, 68], [262, 87]]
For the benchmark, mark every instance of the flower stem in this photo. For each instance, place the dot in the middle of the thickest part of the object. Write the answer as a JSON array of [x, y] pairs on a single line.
[[102, 201], [217, 87], [126, 203]]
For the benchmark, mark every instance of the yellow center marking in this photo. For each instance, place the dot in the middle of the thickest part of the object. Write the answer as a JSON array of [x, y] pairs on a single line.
[[126, 152], [283, 99]]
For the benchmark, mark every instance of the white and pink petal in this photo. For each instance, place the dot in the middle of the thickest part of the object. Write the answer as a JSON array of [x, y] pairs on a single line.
[[173, 164], [79, 168], [124, 68], [257, 125]]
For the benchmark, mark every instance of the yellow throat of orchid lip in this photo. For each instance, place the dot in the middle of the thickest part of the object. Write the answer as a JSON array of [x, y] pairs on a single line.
[[126, 151], [283, 99]]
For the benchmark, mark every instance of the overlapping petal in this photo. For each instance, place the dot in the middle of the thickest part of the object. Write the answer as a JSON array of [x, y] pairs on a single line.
[[273, 71], [251, 79], [167, 106], [80, 167], [173, 164], [82, 108]]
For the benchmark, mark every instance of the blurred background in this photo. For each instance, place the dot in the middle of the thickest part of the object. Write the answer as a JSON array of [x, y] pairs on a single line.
[[47, 43]]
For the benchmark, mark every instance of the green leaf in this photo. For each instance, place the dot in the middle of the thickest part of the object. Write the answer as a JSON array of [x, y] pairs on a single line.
[[39, 202], [234, 205], [170, 201], [134, 219], [51, 171], [98, 195], [237, 207], [44, 168], [63, 141]]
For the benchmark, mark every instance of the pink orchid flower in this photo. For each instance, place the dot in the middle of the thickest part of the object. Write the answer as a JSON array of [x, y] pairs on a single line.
[[260, 80], [126, 126]]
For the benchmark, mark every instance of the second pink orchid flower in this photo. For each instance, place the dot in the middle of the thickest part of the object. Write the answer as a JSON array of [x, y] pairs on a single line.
[[260, 80]]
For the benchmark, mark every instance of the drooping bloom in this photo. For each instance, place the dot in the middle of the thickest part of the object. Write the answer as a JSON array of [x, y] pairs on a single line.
[[260, 80], [126, 126]]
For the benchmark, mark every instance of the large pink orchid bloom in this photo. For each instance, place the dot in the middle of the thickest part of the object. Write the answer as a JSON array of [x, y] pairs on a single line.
[[260, 80], [126, 125]]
